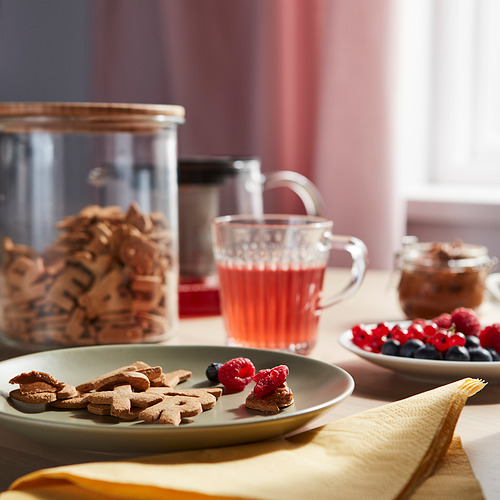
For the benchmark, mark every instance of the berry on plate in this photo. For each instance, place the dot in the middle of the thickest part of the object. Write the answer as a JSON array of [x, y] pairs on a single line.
[[490, 337], [269, 379], [457, 353], [443, 320], [408, 350], [466, 321], [212, 372], [236, 374]]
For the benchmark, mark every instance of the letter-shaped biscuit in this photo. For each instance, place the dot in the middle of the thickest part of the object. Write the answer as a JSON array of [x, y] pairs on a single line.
[[207, 397], [171, 410], [138, 381], [122, 399]]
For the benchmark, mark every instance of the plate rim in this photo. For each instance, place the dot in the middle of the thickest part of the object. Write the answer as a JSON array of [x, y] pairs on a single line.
[[155, 428]]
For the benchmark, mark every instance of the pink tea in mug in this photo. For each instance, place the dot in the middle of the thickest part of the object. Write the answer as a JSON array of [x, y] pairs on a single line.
[[272, 306], [271, 269]]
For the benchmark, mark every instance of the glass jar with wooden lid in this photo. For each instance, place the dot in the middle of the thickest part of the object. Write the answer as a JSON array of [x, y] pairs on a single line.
[[88, 223]]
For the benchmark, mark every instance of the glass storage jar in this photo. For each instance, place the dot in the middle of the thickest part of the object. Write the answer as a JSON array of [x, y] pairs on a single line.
[[88, 223], [439, 277]]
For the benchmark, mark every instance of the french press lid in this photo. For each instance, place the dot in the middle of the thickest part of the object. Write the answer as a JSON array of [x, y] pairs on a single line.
[[214, 169]]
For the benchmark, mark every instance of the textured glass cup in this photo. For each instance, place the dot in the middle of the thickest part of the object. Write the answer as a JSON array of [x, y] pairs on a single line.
[[271, 270]]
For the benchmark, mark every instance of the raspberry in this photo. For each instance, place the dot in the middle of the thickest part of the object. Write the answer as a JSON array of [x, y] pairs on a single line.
[[489, 337], [269, 379], [236, 374], [443, 320], [466, 321]]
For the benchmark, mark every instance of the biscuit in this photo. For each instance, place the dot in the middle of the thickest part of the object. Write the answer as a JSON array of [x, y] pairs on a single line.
[[122, 398], [97, 409], [206, 397], [138, 381], [171, 410], [91, 384], [68, 391], [34, 397], [273, 403], [35, 381], [80, 400], [171, 379]]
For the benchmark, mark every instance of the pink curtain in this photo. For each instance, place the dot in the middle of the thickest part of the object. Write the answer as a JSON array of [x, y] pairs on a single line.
[[303, 84]]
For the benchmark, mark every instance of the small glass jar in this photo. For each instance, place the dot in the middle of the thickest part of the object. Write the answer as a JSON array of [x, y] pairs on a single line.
[[88, 223], [439, 277]]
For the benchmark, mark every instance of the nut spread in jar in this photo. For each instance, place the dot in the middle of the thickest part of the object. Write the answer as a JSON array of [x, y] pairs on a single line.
[[439, 277]]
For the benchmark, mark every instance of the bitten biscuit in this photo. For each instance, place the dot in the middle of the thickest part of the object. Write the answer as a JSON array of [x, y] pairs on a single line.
[[35, 381]]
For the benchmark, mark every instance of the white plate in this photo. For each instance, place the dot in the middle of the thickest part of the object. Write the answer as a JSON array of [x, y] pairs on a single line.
[[426, 369], [229, 422]]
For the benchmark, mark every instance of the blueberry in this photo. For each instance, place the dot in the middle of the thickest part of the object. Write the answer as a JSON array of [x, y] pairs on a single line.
[[409, 347], [495, 356], [428, 351], [480, 354], [212, 372], [391, 347], [457, 353], [472, 341]]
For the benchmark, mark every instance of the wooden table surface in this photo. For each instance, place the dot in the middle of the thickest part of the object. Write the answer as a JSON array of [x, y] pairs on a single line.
[[478, 426]]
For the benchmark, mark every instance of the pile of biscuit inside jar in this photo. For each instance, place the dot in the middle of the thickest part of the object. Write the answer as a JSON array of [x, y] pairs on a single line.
[[105, 279]]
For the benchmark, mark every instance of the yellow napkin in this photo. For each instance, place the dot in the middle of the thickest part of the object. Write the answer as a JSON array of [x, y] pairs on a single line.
[[398, 450]]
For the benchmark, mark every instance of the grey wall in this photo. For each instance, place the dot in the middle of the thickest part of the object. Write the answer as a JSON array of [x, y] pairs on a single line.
[[44, 50]]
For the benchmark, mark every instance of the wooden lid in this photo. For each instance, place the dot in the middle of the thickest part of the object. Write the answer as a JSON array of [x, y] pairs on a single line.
[[88, 116]]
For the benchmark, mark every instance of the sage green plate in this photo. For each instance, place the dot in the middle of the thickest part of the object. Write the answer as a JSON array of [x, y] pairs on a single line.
[[317, 386]]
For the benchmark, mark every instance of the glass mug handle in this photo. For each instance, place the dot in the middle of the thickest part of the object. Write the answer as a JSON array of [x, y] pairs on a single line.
[[299, 184], [359, 255]]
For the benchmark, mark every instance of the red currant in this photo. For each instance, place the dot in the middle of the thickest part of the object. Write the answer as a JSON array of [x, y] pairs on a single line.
[[377, 343], [381, 330], [457, 339], [400, 334], [430, 329], [416, 331], [440, 340], [361, 337]]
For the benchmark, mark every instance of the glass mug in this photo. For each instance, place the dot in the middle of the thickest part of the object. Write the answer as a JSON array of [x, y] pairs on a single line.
[[212, 186], [271, 270]]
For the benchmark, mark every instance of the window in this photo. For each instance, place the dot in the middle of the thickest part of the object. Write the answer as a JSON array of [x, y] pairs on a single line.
[[447, 86]]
